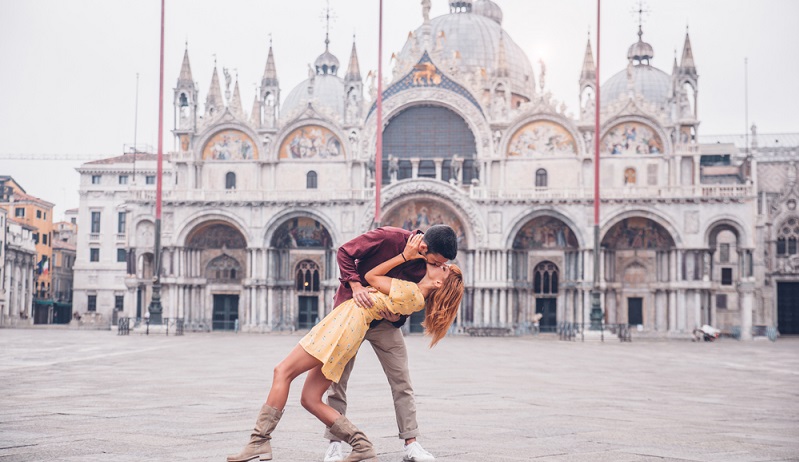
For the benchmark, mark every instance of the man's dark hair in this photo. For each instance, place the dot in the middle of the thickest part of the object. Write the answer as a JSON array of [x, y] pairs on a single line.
[[441, 239]]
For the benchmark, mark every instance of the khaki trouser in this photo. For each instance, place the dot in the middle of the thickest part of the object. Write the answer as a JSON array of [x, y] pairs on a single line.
[[389, 346]]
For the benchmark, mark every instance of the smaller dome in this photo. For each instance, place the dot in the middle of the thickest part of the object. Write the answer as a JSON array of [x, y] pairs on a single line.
[[326, 63], [640, 50], [488, 9], [327, 91]]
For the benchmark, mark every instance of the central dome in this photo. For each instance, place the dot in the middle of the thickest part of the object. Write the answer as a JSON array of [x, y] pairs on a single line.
[[652, 83], [475, 38]]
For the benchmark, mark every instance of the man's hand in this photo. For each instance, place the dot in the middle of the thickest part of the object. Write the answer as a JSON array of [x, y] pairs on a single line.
[[389, 316], [361, 294]]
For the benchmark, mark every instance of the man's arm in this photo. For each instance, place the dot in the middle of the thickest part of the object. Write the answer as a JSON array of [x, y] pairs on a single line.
[[358, 249]]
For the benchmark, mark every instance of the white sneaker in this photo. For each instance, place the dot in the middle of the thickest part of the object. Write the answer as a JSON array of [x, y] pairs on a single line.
[[335, 452], [414, 452]]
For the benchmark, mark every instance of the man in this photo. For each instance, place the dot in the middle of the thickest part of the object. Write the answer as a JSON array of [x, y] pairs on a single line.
[[355, 259]]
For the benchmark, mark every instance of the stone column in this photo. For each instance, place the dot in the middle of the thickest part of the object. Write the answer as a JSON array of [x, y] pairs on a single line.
[[438, 163], [478, 307], [414, 168], [746, 290]]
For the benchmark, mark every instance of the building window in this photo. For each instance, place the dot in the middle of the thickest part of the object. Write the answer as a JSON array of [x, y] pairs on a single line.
[[310, 180], [652, 175], [95, 179], [38, 214], [19, 212], [230, 180], [121, 219], [92, 305], [724, 253], [123, 179], [119, 302], [35, 238], [149, 179], [721, 301], [44, 239], [94, 254], [73, 220], [629, 176], [121, 255], [541, 178], [95, 222], [726, 276]]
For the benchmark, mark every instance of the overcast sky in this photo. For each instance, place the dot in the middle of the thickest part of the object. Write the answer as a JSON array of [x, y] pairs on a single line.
[[68, 84]]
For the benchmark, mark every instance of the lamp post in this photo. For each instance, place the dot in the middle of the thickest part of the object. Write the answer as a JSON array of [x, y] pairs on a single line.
[[596, 305], [155, 309]]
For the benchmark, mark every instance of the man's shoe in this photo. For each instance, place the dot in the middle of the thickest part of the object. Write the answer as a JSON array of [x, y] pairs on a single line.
[[335, 453], [414, 452]]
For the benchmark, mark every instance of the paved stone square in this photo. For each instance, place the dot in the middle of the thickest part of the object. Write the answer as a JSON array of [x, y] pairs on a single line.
[[93, 396]]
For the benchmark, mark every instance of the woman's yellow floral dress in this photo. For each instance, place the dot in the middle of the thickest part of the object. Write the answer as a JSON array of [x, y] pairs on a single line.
[[336, 339]]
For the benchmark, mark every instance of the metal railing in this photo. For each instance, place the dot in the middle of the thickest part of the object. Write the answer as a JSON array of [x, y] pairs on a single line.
[[573, 331], [175, 326]]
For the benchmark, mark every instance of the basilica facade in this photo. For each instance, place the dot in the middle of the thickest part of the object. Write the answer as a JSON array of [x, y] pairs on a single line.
[[256, 202]]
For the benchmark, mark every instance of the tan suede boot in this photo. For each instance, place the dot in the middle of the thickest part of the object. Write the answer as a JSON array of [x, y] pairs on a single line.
[[361, 447], [259, 445]]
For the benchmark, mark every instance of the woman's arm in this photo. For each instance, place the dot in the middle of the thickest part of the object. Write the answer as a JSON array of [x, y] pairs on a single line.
[[376, 277]]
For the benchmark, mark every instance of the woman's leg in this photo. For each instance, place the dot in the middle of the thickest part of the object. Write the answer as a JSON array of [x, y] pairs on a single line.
[[297, 362], [315, 386]]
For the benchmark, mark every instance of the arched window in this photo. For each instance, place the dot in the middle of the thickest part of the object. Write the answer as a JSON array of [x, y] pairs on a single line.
[[545, 279], [230, 180], [540, 178], [310, 180], [787, 237], [629, 176], [307, 277], [183, 100]]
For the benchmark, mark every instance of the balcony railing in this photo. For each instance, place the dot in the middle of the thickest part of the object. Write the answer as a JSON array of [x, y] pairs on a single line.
[[643, 192], [479, 193]]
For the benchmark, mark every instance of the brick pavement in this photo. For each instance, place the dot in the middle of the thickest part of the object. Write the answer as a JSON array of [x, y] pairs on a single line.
[[72, 395]]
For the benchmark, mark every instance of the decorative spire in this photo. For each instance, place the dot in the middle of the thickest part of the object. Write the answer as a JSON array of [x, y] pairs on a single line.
[[270, 72], [640, 51], [589, 68], [235, 103], [327, 63], [214, 101], [255, 115], [687, 61], [185, 68], [353, 70]]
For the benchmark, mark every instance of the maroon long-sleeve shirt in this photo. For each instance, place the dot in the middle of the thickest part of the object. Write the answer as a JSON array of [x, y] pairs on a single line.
[[358, 256]]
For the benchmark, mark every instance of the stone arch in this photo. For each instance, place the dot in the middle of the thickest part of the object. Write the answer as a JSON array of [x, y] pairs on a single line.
[[527, 217], [422, 211], [649, 122], [475, 229], [144, 234], [667, 224], [473, 117], [296, 212], [718, 224], [527, 119], [635, 274], [224, 269], [201, 217], [215, 234], [230, 124], [282, 137]]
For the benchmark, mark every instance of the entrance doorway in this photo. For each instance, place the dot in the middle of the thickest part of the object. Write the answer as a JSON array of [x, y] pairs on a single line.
[[226, 311], [788, 308], [309, 311], [547, 307], [635, 311]]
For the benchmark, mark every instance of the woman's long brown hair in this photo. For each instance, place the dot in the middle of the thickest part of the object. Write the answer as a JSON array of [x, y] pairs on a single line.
[[442, 306]]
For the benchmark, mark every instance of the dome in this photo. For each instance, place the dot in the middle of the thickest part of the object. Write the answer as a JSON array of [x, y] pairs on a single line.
[[651, 82], [327, 92], [326, 63], [488, 9], [476, 38], [640, 50]]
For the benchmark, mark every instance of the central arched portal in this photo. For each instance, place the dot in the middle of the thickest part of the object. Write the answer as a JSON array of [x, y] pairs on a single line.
[[422, 212]]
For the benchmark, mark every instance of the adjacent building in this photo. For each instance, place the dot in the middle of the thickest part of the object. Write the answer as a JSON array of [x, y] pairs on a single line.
[[19, 266], [256, 202]]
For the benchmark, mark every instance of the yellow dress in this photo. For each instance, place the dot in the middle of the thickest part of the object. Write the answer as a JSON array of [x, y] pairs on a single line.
[[336, 339]]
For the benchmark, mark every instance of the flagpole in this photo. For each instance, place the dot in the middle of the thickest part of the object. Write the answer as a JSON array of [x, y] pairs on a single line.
[[379, 150], [155, 309], [596, 305]]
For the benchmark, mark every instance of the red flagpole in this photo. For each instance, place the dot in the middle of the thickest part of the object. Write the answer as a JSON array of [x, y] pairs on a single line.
[[155, 309], [379, 151]]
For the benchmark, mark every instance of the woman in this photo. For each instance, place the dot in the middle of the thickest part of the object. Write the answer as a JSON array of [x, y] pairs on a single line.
[[327, 348]]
